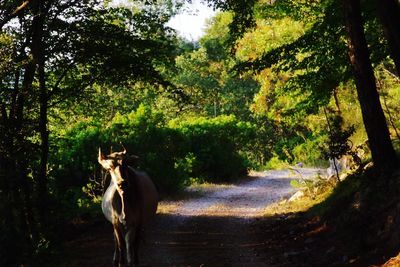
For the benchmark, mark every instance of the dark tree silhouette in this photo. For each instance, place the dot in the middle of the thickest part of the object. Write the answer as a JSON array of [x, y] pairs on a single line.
[[389, 14]]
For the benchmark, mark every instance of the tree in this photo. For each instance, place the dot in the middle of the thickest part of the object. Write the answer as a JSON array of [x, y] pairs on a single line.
[[318, 63], [57, 50], [205, 74], [381, 146], [10, 10]]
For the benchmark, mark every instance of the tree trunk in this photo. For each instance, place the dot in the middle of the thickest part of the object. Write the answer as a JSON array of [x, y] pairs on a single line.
[[337, 104], [389, 14], [39, 59], [380, 144]]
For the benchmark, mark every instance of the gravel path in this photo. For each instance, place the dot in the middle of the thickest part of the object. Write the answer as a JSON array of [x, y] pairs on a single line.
[[219, 226], [244, 200]]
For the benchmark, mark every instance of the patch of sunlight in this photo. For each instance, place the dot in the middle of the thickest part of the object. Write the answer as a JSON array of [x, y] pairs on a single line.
[[229, 210], [207, 187], [169, 207]]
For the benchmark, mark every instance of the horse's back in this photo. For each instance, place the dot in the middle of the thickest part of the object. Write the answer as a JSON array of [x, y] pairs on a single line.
[[149, 195]]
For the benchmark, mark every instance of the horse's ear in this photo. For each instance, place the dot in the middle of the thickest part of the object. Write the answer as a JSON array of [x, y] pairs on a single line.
[[101, 156], [123, 152]]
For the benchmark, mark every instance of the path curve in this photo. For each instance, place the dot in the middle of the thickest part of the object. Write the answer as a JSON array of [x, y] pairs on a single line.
[[247, 199]]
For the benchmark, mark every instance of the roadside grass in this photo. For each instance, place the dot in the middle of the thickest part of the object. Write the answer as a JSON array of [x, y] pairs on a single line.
[[314, 192], [360, 214], [321, 197], [302, 204]]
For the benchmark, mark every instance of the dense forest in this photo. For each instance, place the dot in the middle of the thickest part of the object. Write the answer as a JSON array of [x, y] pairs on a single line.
[[270, 84]]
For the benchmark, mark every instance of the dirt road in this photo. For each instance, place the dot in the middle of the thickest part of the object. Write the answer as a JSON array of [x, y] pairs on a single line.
[[220, 227]]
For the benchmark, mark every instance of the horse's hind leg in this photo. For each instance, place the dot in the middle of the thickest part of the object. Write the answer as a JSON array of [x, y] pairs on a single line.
[[132, 240], [136, 243]]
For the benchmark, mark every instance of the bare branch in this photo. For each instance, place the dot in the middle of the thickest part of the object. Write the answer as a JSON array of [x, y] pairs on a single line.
[[15, 13], [21, 7]]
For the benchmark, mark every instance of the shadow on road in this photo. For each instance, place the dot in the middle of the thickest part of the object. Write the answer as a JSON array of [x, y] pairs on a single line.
[[174, 240]]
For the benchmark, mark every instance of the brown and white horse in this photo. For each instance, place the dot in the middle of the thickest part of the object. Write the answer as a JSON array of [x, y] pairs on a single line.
[[129, 202]]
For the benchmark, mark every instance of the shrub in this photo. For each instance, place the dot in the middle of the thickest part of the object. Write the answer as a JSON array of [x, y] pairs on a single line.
[[219, 146], [174, 153], [309, 152]]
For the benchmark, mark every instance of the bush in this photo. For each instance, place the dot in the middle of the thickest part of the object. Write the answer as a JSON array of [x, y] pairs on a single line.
[[211, 150], [309, 152], [218, 145]]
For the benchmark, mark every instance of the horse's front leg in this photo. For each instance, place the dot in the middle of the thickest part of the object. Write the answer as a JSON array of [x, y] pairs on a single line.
[[120, 248], [116, 252]]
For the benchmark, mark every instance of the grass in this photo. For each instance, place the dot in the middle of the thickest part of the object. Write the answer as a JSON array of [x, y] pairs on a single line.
[[301, 204]]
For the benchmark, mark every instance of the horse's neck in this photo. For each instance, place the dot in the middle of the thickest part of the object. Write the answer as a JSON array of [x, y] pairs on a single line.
[[108, 201]]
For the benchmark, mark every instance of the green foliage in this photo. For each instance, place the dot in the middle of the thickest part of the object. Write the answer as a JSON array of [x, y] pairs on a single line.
[[213, 150], [119, 75], [338, 138], [205, 75], [268, 35], [219, 145], [389, 91], [216, 39], [275, 163], [309, 152]]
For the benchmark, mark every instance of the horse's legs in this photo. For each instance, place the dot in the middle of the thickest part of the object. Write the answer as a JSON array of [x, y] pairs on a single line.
[[129, 237], [116, 248], [120, 249], [136, 243], [132, 240]]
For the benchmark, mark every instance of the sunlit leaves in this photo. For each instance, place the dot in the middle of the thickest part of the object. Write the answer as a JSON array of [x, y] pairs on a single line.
[[217, 37], [268, 34], [206, 77], [6, 54]]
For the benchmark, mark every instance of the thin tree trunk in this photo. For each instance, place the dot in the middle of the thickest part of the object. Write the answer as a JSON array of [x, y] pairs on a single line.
[[44, 146], [381, 146], [333, 159], [335, 97], [39, 59], [389, 14]]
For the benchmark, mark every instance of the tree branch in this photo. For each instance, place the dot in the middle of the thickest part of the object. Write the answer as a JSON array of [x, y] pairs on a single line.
[[15, 13]]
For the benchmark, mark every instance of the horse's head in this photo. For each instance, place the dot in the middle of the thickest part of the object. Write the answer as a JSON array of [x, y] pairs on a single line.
[[116, 163]]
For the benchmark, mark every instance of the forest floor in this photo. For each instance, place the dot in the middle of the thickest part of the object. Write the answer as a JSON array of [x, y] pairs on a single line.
[[225, 225]]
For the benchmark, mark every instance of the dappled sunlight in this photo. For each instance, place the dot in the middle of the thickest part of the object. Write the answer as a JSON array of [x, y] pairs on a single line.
[[208, 187], [169, 207]]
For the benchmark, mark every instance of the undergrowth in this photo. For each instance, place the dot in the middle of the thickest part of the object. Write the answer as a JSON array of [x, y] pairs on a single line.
[[314, 191], [362, 213]]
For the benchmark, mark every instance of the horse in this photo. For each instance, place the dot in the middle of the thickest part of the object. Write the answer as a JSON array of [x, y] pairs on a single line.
[[129, 203]]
